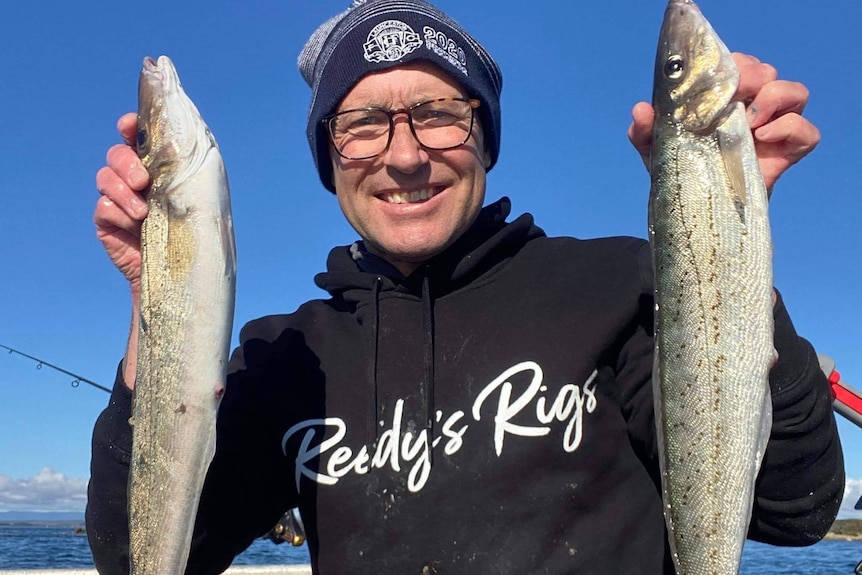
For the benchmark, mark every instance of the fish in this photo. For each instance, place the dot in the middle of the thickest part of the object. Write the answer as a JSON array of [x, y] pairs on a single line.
[[712, 261], [188, 289]]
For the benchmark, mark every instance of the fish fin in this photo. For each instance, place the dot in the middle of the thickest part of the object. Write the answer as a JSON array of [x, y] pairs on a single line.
[[734, 167], [765, 428], [228, 244]]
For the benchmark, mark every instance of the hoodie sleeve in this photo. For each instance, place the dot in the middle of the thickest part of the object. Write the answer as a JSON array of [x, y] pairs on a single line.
[[801, 482], [106, 514]]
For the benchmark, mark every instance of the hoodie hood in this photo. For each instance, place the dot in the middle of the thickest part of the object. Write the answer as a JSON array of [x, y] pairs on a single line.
[[352, 272]]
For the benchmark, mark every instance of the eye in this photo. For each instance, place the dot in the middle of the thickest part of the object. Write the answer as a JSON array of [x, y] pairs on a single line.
[[674, 67], [141, 139], [361, 123], [428, 115], [370, 118], [443, 112]]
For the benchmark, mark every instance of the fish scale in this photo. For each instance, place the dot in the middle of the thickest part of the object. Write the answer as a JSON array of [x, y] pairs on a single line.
[[188, 271], [712, 257]]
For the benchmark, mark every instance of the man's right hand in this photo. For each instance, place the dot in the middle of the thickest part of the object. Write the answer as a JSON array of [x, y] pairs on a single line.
[[121, 207], [119, 213]]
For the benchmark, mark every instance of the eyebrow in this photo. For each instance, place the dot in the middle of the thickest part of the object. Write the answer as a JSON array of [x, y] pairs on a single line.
[[381, 106]]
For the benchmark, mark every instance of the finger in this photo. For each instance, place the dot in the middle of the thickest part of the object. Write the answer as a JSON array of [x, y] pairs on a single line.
[[127, 126], [114, 188], [121, 237], [125, 162], [742, 59], [776, 99], [753, 75], [109, 218], [791, 128], [640, 130]]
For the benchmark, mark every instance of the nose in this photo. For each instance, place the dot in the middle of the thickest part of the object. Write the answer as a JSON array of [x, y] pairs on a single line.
[[404, 152]]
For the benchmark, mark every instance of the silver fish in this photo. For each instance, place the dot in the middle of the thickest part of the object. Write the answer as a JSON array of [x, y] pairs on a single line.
[[712, 256], [188, 273]]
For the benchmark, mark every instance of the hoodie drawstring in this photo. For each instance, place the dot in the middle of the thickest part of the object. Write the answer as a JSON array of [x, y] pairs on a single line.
[[375, 335], [428, 329]]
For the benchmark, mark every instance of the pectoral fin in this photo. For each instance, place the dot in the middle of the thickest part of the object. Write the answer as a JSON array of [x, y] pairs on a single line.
[[731, 153]]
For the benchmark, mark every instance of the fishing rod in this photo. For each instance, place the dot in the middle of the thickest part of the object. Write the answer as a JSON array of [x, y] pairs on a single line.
[[847, 400], [40, 362]]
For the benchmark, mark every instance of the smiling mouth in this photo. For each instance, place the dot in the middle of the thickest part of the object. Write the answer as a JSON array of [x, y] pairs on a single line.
[[412, 197]]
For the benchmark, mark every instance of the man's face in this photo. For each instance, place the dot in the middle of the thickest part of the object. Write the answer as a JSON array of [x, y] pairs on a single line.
[[380, 196]]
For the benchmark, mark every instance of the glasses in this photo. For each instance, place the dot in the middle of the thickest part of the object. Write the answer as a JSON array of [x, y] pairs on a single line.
[[438, 124]]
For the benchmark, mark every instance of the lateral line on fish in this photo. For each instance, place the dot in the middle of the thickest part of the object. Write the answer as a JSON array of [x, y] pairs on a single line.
[[690, 249]]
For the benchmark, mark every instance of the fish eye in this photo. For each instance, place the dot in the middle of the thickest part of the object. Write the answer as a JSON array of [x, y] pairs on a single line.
[[141, 139], [674, 67]]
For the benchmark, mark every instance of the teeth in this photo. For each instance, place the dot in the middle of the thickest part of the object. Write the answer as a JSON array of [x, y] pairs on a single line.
[[409, 197]]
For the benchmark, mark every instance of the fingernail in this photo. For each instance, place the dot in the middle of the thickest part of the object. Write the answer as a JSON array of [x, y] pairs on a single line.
[[752, 112], [138, 207], [138, 178]]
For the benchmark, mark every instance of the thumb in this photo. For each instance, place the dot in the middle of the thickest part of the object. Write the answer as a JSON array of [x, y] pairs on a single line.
[[640, 130]]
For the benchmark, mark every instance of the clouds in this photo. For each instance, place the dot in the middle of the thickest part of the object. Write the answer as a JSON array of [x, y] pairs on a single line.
[[46, 491], [852, 493], [52, 491]]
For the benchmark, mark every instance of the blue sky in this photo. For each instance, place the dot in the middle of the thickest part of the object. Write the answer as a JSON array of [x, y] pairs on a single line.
[[572, 71]]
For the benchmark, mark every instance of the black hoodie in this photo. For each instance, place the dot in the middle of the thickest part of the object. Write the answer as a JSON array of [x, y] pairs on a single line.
[[491, 413]]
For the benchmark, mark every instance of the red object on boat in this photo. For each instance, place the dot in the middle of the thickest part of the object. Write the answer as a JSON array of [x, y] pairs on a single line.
[[847, 400]]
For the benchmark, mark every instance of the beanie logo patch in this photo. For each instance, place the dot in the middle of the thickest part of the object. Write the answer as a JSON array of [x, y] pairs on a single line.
[[390, 41]]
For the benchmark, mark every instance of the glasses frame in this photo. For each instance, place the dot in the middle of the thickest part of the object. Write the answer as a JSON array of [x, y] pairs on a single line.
[[328, 121]]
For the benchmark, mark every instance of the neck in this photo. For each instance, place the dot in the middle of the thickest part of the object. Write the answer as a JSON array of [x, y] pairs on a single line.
[[404, 266]]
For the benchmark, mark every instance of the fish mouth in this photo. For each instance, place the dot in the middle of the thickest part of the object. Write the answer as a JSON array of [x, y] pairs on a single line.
[[157, 65], [163, 70], [418, 196]]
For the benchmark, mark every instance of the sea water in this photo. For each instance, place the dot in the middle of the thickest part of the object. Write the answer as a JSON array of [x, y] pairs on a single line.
[[64, 546], [61, 545]]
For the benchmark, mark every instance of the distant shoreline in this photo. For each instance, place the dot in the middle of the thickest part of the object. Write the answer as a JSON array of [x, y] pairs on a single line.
[[41, 516], [845, 530], [48, 522], [834, 537]]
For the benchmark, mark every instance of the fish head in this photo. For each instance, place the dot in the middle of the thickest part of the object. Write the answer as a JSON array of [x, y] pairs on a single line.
[[695, 75], [172, 138]]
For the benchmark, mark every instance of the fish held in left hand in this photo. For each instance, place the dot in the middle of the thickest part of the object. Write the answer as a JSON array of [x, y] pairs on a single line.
[[188, 274], [712, 257]]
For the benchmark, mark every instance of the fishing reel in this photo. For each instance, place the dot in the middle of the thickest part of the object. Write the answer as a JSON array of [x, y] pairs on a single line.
[[289, 528]]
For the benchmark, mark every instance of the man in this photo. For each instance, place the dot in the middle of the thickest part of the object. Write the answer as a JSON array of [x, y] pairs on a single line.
[[473, 397]]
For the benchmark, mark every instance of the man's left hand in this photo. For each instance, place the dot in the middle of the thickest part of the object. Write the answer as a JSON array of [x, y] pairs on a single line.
[[774, 109]]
